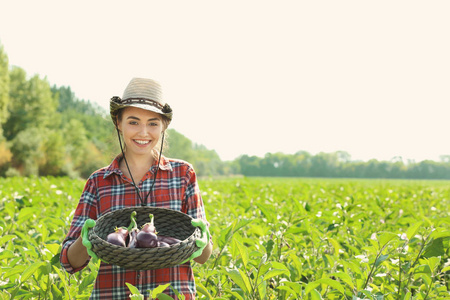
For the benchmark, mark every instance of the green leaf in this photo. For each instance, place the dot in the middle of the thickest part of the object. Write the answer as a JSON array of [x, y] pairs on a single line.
[[287, 289], [87, 281], [345, 278], [243, 251], [6, 254], [6, 238], [162, 296], [234, 293], [237, 277], [327, 281], [422, 269], [380, 259], [63, 279], [264, 267], [269, 247], [26, 214], [277, 265], [445, 270], [262, 290], [242, 223], [295, 286], [433, 262], [56, 293], [201, 289], [158, 291], [426, 278], [53, 248], [266, 211], [315, 295], [307, 206], [30, 271], [225, 235], [27, 273], [412, 230], [274, 273], [365, 292], [407, 296], [134, 290], [336, 246], [385, 237], [440, 233], [9, 273], [434, 248]]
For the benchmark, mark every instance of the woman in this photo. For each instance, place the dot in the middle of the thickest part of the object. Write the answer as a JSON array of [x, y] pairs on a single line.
[[139, 175]]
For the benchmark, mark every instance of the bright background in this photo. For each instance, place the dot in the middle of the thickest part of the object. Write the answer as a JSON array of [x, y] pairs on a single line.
[[251, 77]]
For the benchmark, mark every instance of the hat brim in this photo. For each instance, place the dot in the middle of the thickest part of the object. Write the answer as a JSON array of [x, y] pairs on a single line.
[[115, 107]]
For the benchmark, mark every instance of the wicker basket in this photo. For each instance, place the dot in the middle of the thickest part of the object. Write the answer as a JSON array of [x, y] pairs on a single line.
[[167, 222]]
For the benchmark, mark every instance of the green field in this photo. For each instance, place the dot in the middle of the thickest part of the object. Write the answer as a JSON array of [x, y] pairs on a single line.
[[273, 239]]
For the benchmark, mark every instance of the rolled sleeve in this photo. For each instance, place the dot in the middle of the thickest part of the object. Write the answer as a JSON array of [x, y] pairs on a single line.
[[64, 260], [86, 209]]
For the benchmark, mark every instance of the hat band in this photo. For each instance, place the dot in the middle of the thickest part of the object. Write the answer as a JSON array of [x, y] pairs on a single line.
[[142, 101]]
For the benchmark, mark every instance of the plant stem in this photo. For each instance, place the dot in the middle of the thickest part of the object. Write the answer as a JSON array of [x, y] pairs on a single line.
[[424, 242], [399, 277], [428, 291], [400, 269], [372, 270]]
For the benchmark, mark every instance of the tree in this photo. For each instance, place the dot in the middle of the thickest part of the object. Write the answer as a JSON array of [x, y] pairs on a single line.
[[5, 157], [179, 146], [26, 147], [31, 104], [4, 89], [206, 162], [76, 142], [52, 163], [250, 165]]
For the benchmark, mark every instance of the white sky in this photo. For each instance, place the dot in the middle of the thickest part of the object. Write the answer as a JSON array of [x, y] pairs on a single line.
[[251, 77]]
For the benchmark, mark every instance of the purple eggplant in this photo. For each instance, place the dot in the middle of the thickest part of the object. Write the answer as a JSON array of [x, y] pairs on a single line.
[[146, 237], [167, 239], [163, 244], [132, 243], [118, 237]]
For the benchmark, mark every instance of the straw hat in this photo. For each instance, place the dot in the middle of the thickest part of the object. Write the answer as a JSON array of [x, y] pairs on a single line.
[[141, 93]]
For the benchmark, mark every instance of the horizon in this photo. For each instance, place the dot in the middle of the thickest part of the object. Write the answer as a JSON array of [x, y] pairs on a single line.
[[369, 79]]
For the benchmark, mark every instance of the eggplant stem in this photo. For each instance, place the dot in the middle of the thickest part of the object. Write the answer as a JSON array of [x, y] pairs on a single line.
[[133, 224]]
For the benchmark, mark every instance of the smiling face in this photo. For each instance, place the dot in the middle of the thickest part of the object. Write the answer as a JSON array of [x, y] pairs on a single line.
[[141, 130]]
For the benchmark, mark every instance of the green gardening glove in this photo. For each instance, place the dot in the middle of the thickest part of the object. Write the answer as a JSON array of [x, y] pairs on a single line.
[[89, 223], [202, 241]]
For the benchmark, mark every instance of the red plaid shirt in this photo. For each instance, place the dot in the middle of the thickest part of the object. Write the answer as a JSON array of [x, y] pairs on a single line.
[[108, 189]]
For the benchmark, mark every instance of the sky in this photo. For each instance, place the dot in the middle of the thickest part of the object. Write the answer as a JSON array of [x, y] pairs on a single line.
[[250, 77]]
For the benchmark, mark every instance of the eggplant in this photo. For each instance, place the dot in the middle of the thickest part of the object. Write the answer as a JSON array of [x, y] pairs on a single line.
[[163, 244], [167, 239], [118, 237], [146, 237], [132, 243]]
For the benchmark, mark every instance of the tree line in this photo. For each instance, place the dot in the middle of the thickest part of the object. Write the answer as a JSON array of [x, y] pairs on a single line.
[[46, 130], [338, 165]]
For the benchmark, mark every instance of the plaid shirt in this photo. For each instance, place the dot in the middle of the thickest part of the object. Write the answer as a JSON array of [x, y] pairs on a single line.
[[108, 189]]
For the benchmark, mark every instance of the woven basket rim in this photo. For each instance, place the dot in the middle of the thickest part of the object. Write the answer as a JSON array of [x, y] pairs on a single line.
[[153, 253]]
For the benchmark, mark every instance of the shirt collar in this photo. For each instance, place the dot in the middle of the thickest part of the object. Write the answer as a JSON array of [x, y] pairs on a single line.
[[114, 166]]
